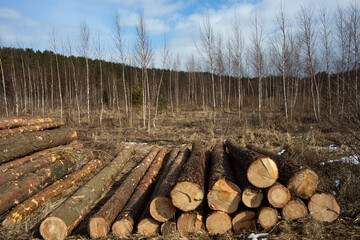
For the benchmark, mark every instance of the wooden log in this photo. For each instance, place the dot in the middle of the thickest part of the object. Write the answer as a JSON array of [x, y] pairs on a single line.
[[278, 195], [191, 222], [218, 222], [261, 170], [60, 223], [161, 206], [16, 173], [124, 223], [147, 225], [31, 204], [37, 127], [100, 222], [244, 220], [18, 145], [251, 196], [268, 217], [323, 207], [294, 209], [223, 194], [15, 192], [168, 228], [188, 192], [18, 122], [36, 156], [299, 179]]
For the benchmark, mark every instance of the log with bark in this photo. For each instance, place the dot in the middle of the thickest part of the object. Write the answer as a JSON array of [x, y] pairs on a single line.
[[32, 128], [294, 209], [161, 206], [20, 171], [38, 155], [188, 192], [278, 195], [261, 170], [251, 196], [60, 223], [31, 204], [18, 145], [100, 222], [244, 220], [223, 194], [191, 222], [218, 222], [18, 122], [124, 223], [147, 225], [299, 179], [15, 192], [323, 207], [268, 217]]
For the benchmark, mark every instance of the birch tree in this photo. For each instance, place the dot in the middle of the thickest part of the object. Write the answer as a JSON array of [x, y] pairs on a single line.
[[84, 52], [258, 56], [207, 53], [120, 45], [144, 54], [238, 44], [54, 46]]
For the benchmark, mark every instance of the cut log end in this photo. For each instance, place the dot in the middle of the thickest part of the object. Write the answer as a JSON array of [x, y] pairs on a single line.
[[218, 223], [268, 217], [148, 227], [186, 196], [252, 197], [263, 172], [53, 228], [98, 227], [304, 183], [122, 228], [294, 209], [162, 209], [190, 222], [278, 196], [244, 221], [224, 196], [323, 207], [168, 228]]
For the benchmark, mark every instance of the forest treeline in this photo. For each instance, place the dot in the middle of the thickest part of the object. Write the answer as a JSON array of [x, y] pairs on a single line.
[[310, 71]]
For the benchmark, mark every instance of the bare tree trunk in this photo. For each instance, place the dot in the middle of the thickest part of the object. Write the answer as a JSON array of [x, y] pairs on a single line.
[[15, 86], [4, 88]]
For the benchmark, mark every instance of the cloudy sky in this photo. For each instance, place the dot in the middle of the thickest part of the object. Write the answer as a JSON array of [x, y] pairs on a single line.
[[25, 23]]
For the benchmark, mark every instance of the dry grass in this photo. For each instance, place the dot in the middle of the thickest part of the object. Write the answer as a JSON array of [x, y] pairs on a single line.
[[305, 141]]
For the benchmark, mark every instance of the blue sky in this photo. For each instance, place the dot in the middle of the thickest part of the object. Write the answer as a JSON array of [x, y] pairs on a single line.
[[25, 23]]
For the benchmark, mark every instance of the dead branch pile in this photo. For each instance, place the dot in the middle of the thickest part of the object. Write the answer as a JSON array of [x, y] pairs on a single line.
[[231, 189]]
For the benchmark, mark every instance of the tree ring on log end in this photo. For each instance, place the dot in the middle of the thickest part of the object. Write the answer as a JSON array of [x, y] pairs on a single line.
[[263, 172], [186, 196], [324, 207], [224, 196], [218, 223], [304, 183], [162, 209], [148, 227], [244, 220], [53, 228], [122, 227], [98, 227]]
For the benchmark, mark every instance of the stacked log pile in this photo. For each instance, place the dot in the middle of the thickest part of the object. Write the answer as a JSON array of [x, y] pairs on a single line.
[[231, 189], [39, 160]]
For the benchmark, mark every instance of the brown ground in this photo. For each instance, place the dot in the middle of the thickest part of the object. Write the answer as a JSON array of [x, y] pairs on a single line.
[[305, 141]]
